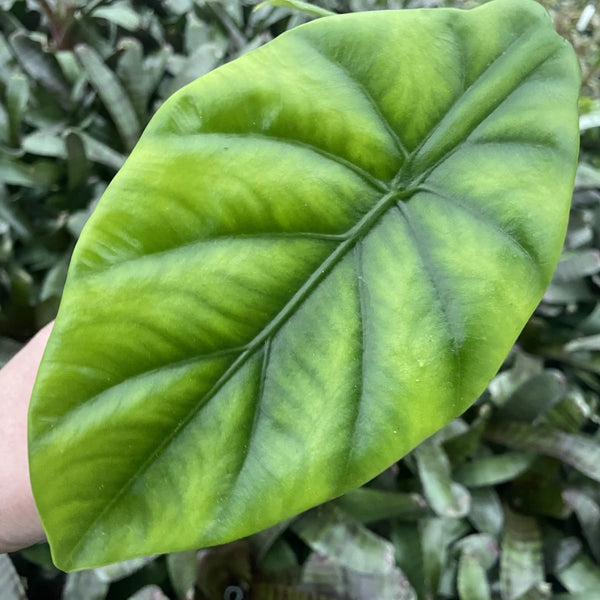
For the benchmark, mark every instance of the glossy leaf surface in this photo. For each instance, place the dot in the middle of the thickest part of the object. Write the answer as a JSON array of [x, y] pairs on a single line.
[[315, 257]]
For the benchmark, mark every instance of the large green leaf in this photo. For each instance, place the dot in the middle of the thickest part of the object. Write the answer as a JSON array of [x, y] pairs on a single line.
[[316, 256]]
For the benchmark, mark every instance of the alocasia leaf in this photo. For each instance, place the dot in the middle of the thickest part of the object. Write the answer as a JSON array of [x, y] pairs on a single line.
[[315, 257]]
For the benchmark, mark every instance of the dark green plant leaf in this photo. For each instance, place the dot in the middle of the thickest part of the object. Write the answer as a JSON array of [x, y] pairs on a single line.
[[588, 514], [113, 96], [99, 152], [120, 13], [579, 264], [279, 557], [85, 585], [446, 498], [51, 143], [486, 512], [262, 541], [45, 143], [482, 546], [12, 216], [201, 61], [434, 547], [535, 397], [330, 532], [559, 551], [11, 587], [538, 491], [506, 383], [472, 580], [41, 66], [590, 342], [140, 75], [263, 313], [570, 414], [521, 563], [582, 575], [19, 173], [324, 574], [39, 554], [588, 177], [493, 470], [17, 94], [464, 445], [78, 166], [579, 451], [368, 504], [183, 572], [408, 553]]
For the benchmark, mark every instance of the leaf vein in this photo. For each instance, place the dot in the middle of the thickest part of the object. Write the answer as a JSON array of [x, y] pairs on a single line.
[[471, 92], [361, 314], [367, 177], [484, 219], [364, 91], [443, 299]]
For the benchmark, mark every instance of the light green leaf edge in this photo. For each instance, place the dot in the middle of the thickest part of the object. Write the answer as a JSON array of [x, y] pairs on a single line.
[[161, 418]]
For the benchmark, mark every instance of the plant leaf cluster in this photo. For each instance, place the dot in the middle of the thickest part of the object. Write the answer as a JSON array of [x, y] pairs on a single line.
[[502, 503]]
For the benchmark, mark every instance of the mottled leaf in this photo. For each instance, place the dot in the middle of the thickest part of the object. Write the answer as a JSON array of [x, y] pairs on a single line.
[[521, 563], [330, 532], [579, 451], [325, 575]]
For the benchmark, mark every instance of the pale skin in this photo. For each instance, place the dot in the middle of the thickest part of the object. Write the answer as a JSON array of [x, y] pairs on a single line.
[[20, 524]]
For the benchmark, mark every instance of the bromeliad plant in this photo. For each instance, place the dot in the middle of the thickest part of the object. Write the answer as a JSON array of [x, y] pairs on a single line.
[[315, 257]]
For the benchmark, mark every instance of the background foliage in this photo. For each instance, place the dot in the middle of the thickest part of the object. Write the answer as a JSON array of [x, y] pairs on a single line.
[[502, 503]]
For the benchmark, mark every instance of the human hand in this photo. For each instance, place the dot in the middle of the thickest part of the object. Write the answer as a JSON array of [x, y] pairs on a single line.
[[20, 524]]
